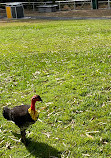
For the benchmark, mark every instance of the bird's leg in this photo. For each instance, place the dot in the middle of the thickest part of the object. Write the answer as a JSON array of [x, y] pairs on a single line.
[[23, 133]]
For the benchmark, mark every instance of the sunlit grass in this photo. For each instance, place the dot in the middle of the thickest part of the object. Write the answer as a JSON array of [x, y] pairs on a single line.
[[68, 64]]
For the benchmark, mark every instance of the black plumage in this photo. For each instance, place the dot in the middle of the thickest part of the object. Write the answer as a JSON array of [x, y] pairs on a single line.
[[21, 116]]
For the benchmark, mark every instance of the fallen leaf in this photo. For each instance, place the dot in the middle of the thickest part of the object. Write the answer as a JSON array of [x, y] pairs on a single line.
[[86, 155], [8, 145], [93, 132], [47, 134], [89, 136]]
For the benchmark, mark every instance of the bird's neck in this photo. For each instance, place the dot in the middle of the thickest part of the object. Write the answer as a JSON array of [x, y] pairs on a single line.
[[33, 105]]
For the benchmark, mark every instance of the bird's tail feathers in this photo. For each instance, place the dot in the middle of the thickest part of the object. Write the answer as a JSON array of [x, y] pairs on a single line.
[[7, 113]]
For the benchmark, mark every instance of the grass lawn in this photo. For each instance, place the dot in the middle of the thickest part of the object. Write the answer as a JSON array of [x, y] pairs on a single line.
[[68, 63]]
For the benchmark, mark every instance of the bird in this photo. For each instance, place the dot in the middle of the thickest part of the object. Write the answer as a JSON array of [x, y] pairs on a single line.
[[23, 116]]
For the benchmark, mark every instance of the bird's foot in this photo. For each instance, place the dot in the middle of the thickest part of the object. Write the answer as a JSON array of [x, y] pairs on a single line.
[[25, 141]]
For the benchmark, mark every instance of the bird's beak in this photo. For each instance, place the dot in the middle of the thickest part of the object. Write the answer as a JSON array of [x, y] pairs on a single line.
[[41, 100]]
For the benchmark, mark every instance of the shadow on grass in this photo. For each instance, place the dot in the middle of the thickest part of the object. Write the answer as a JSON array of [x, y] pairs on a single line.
[[39, 149]]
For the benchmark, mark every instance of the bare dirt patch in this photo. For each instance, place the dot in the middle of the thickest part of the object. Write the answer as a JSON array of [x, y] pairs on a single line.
[[72, 13]]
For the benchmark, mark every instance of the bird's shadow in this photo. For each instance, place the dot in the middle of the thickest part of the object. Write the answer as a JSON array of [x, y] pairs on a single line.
[[39, 149]]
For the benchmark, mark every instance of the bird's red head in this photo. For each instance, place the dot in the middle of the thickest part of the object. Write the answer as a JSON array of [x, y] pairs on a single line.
[[33, 101], [36, 98]]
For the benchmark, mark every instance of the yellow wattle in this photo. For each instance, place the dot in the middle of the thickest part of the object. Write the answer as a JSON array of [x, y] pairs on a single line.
[[34, 114]]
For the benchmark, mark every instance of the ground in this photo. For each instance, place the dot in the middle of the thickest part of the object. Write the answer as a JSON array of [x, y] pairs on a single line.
[[68, 64]]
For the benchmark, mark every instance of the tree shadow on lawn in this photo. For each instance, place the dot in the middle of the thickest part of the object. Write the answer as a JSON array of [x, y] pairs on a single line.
[[39, 149]]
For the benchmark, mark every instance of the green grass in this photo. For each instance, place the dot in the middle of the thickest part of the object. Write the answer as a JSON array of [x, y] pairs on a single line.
[[68, 63]]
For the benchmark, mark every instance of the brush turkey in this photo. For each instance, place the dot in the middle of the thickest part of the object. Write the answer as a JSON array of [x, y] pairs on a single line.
[[23, 115]]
